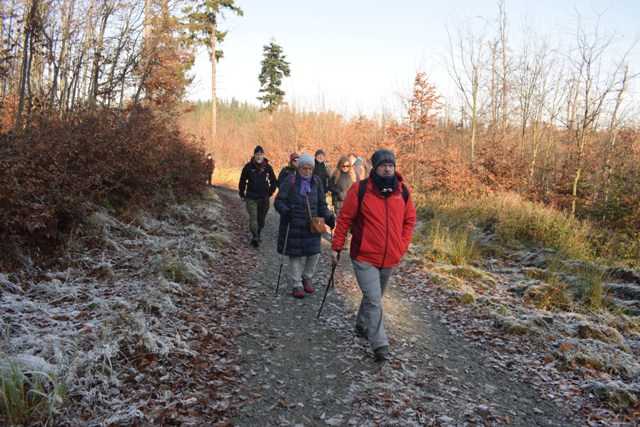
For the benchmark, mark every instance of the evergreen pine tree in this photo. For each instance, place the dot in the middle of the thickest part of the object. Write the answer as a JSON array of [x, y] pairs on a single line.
[[274, 69]]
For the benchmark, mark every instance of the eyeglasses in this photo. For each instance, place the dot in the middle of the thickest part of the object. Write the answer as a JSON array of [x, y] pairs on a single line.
[[345, 166]]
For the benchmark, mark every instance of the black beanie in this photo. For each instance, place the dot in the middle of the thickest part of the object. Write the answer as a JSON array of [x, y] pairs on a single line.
[[258, 149], [382, 156]]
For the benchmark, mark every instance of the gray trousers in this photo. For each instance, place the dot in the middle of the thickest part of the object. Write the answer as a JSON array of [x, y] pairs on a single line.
[[302, 267], [372, 282]]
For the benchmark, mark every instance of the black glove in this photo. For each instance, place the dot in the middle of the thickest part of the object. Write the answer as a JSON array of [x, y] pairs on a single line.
[[331, 221]]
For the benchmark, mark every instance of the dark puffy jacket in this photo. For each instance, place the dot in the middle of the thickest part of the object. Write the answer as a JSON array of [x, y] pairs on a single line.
[[257, 181], [320, 170], [284, 172], [292, 208]]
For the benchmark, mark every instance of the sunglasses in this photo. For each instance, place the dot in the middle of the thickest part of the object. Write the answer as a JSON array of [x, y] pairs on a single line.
[[346, 166]]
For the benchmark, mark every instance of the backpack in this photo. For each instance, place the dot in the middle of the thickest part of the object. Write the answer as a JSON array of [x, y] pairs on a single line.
[[362, 189]]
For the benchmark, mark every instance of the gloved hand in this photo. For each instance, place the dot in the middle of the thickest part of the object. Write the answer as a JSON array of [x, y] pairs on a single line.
[[331, 221], [335, 257]]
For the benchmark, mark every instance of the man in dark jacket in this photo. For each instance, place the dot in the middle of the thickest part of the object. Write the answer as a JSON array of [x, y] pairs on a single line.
[[320, 170], [381, 216], [257, 184]]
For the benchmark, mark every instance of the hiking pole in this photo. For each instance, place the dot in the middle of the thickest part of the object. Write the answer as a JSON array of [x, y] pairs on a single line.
[[284, 250], [329, 284]]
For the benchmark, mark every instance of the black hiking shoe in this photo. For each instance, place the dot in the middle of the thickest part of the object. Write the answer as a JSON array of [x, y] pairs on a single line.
[[255, 243], [381, 354], [360, 332]]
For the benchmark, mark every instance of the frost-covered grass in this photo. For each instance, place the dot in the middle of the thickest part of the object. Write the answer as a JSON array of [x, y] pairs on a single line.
[[83, 328]]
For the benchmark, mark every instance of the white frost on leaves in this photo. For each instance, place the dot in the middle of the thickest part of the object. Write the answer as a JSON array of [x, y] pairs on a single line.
[[88, 323]]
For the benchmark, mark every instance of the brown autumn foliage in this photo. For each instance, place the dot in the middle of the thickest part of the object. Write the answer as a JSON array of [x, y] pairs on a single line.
[[434, 153], [241, 127], [58, 171]]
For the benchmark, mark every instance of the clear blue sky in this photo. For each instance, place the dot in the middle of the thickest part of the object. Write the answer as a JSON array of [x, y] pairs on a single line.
[[360, 56]]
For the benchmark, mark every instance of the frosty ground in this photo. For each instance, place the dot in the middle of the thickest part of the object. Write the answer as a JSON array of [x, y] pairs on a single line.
[[172, 320]]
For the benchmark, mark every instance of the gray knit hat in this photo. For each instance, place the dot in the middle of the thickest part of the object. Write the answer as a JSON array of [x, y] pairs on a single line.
[[306, 159], [383, 156]]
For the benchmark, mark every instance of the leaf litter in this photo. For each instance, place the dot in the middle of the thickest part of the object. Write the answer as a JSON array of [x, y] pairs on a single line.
[[175, 322]]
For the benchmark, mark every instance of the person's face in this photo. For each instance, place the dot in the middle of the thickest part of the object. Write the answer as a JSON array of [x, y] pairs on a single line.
[[386, 170], [259, 157], [320, 158], [294, 163], [306, 170], [345, 167]]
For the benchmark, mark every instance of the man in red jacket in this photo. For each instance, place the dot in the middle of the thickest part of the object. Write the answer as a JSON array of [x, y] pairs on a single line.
[[381, 217]]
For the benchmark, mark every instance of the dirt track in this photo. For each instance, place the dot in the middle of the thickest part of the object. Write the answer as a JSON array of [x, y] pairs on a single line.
[[299, 371]]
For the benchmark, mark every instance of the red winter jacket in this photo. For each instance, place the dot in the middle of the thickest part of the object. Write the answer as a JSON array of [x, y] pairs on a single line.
[[382, 232]]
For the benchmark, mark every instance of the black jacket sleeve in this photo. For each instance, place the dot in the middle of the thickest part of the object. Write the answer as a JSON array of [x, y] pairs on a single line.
[[282, 199], [280, 175], [273, 181], [332, 185], [242, 185], [323, 209], [327, 177]]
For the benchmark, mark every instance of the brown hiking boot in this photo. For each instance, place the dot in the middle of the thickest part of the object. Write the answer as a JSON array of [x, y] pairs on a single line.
[[306, 284]]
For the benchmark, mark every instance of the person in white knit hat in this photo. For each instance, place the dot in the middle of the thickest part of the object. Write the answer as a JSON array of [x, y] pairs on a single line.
[[301, 197]]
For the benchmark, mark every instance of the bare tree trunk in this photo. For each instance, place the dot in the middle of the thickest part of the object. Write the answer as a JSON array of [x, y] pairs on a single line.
[[613, 135], [214, 97], [95, 69], [505, 71], [475, 87], [67, 11], [148, 48], [89, 41], [6, 83], [494, 90], [26, 60]]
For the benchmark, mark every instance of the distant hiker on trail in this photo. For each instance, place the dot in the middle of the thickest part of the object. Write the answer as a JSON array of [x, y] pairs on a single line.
[[302, 205], [340, 182], [381, 216], [290, 168], [320, 170], [257, 184], [211, 167], [359, 167]]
